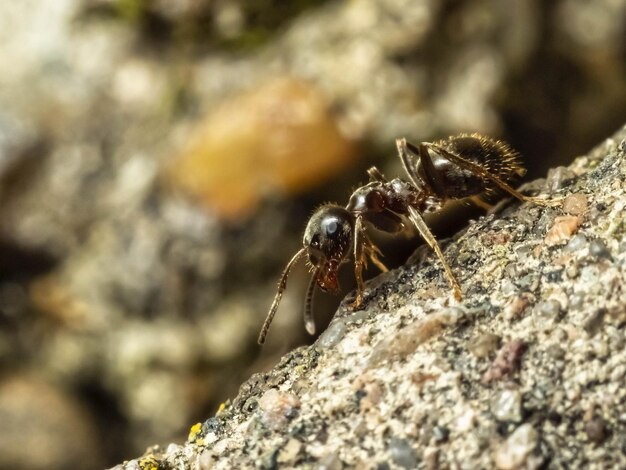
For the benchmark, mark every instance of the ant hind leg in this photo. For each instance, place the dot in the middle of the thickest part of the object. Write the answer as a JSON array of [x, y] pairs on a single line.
[[427, 235], [376, 175], [406, 150], [483, 173], [478, 202], [373, 252]]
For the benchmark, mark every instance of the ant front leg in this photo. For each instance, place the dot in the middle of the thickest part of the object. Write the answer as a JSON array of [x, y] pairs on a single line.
[[359, 260], [363, 249], [427, 235]]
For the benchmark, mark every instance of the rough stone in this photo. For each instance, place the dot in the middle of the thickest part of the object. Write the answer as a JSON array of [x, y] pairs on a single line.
[[415, 380]]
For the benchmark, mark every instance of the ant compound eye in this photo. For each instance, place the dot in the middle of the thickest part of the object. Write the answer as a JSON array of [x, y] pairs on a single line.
[[331, 227]]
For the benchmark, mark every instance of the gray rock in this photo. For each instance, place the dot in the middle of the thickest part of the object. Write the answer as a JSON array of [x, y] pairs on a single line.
[[406, 370]]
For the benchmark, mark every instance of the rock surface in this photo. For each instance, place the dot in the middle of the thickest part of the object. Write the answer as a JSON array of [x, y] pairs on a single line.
[[527, 371]]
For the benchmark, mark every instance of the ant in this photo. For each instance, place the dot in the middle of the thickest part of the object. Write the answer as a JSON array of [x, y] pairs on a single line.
[[459, 167]]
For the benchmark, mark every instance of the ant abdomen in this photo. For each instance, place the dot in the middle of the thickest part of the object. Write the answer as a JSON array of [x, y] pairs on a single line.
[[492, 156]]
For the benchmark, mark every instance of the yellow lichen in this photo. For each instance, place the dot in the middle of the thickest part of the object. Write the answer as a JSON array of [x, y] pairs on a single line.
[[149, 463], [194, 431], [222, 407]]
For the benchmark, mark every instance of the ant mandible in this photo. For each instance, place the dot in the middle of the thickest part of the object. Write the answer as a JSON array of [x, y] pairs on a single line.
[[459, 167]]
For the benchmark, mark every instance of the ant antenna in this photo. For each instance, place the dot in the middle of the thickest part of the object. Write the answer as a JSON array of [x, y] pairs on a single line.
[[309, 321], [279, 294]]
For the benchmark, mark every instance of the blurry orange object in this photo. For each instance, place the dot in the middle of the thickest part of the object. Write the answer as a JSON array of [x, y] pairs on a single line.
[[279, 137]]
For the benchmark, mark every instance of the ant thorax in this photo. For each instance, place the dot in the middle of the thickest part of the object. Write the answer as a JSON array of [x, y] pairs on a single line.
[[405, 194], [391, 196]]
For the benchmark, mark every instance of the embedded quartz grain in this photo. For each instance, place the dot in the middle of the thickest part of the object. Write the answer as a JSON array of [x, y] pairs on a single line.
[[507, 406], [514, 451], [562, 229], [575, 204], [277, 408], [417, 379], [402, 454], [484, 344]]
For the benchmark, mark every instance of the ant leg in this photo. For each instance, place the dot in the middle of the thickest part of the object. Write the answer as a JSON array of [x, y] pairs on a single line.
[[480, 171], [376, 175], [282, 284], [405, 151], [309, 320], [478, 202], [373, 253], [359, 245], [427, 235]]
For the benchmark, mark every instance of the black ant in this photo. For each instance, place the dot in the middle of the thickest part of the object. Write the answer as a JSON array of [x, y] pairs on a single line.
[[459, 167]]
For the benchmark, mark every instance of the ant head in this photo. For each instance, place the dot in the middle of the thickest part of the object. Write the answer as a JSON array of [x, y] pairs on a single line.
[[327, 240]]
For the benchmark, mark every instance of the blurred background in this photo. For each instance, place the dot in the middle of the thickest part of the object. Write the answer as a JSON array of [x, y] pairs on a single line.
[[159, 160]]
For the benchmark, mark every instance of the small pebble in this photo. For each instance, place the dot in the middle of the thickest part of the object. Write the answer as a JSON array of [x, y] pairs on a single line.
[[507, 406], [398, 345], [513, 452], [332, 335], [278, 407], [524, 252], [506, 362], [483, 345], [373, 394], [600, 348], [595, 430], [577, 301], [402, 454], [562, 230], [598, 249], [431, 458], [560, 335], [289, 453], [572, 271], [440, 434], [556, 352], [204, 461], [594, 321], [269, 132], [329, 462], [576, 243], [575, 204], [618, 373], [550, 308], [617, 340], [557, 177]]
